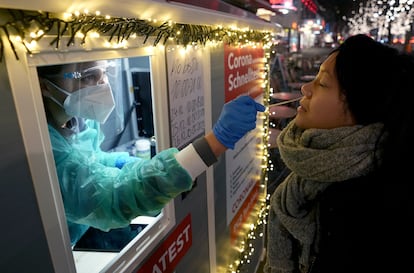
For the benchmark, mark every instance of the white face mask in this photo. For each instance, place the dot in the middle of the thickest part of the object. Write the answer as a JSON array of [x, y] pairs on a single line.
[[92, 102]]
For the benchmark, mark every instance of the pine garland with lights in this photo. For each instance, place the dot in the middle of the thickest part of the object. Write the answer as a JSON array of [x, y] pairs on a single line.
[[33, 25]]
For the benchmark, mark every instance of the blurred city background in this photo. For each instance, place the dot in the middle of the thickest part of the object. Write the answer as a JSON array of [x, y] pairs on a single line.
[[302, 24]]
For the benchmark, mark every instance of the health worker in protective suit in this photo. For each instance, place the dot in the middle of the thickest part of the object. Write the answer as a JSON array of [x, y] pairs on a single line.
[[106, 190]]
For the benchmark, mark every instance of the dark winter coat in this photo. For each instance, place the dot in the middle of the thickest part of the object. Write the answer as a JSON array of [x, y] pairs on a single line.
[[364, 227]]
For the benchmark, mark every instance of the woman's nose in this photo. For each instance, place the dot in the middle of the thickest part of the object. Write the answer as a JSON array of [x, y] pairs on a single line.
[[305, 90]]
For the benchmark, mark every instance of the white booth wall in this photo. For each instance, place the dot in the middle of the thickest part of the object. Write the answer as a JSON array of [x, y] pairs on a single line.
[[24, 245]]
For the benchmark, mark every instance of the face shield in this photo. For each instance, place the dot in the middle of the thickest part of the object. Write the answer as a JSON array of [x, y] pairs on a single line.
[[92, 90], [114, 75]]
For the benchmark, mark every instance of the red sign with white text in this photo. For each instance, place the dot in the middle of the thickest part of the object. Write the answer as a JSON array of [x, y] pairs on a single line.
[[171, 251], [243, 71]]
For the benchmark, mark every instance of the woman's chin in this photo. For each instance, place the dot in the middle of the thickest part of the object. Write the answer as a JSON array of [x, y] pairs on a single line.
[[300, 122]]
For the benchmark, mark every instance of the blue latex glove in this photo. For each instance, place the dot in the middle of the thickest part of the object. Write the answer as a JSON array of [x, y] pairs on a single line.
[[236, 119], [121, 161]]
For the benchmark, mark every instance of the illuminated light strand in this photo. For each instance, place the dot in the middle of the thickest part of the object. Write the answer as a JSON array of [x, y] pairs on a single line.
[[33, 25], [247, 249], [257, 228]]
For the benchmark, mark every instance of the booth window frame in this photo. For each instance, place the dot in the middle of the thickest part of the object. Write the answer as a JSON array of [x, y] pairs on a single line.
[[25, 87]]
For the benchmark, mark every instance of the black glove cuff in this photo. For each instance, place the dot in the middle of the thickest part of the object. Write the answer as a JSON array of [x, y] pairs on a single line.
[[204, 151]]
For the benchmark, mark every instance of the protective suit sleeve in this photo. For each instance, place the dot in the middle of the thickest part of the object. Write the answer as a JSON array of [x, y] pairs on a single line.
[[108, 197], [191, 161], [89, 140]]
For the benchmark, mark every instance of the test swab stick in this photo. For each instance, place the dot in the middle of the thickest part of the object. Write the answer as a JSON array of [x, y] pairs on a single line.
[[284, 102]]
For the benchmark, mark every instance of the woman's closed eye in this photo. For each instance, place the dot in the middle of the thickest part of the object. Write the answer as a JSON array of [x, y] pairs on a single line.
[[320, 82]]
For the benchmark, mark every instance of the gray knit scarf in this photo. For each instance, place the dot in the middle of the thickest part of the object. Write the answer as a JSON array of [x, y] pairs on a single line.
[[317, 158]]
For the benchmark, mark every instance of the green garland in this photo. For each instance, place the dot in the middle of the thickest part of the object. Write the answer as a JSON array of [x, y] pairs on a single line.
[[22, 23]]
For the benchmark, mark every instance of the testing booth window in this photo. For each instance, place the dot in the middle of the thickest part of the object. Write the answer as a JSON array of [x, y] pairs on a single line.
[[100, 118]]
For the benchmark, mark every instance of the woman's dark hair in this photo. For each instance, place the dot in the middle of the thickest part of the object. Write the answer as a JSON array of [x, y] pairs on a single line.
[[378, 83]]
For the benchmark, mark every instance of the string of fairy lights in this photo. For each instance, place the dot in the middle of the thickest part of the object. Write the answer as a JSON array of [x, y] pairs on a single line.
[[27, 28], [256, 231]]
